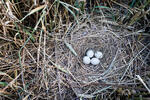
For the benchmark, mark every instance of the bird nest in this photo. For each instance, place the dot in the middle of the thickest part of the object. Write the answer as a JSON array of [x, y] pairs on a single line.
[[117, 68]]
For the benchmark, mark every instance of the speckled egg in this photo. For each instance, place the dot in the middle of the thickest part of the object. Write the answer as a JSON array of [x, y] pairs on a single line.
[[95, 61], [98, 54], [86, 60], [90, 53]]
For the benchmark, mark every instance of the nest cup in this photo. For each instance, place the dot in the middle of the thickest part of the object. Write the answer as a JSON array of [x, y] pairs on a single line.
[[97, 41], [115, 66], [96, 38]]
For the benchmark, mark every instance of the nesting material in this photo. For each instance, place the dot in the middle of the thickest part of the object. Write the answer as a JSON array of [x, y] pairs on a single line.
[[110, 55], [90, 64]]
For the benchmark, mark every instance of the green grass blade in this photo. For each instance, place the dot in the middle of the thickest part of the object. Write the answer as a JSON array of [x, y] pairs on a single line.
[[67, 7], [132, 4], [70, 48], [102, 7], [3, 84]]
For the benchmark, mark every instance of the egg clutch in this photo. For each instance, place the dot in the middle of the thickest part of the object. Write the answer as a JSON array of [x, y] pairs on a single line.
[[92, 57]]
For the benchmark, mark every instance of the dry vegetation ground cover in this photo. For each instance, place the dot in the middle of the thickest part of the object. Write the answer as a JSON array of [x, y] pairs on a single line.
[[42, 44]]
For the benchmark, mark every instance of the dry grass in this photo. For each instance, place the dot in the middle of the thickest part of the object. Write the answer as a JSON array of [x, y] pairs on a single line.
[[42, 45]]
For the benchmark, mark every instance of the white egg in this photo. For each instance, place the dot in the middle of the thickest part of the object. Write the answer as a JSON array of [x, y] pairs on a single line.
[[99, 54], [90, 53], [86, 60], [95, 61]]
